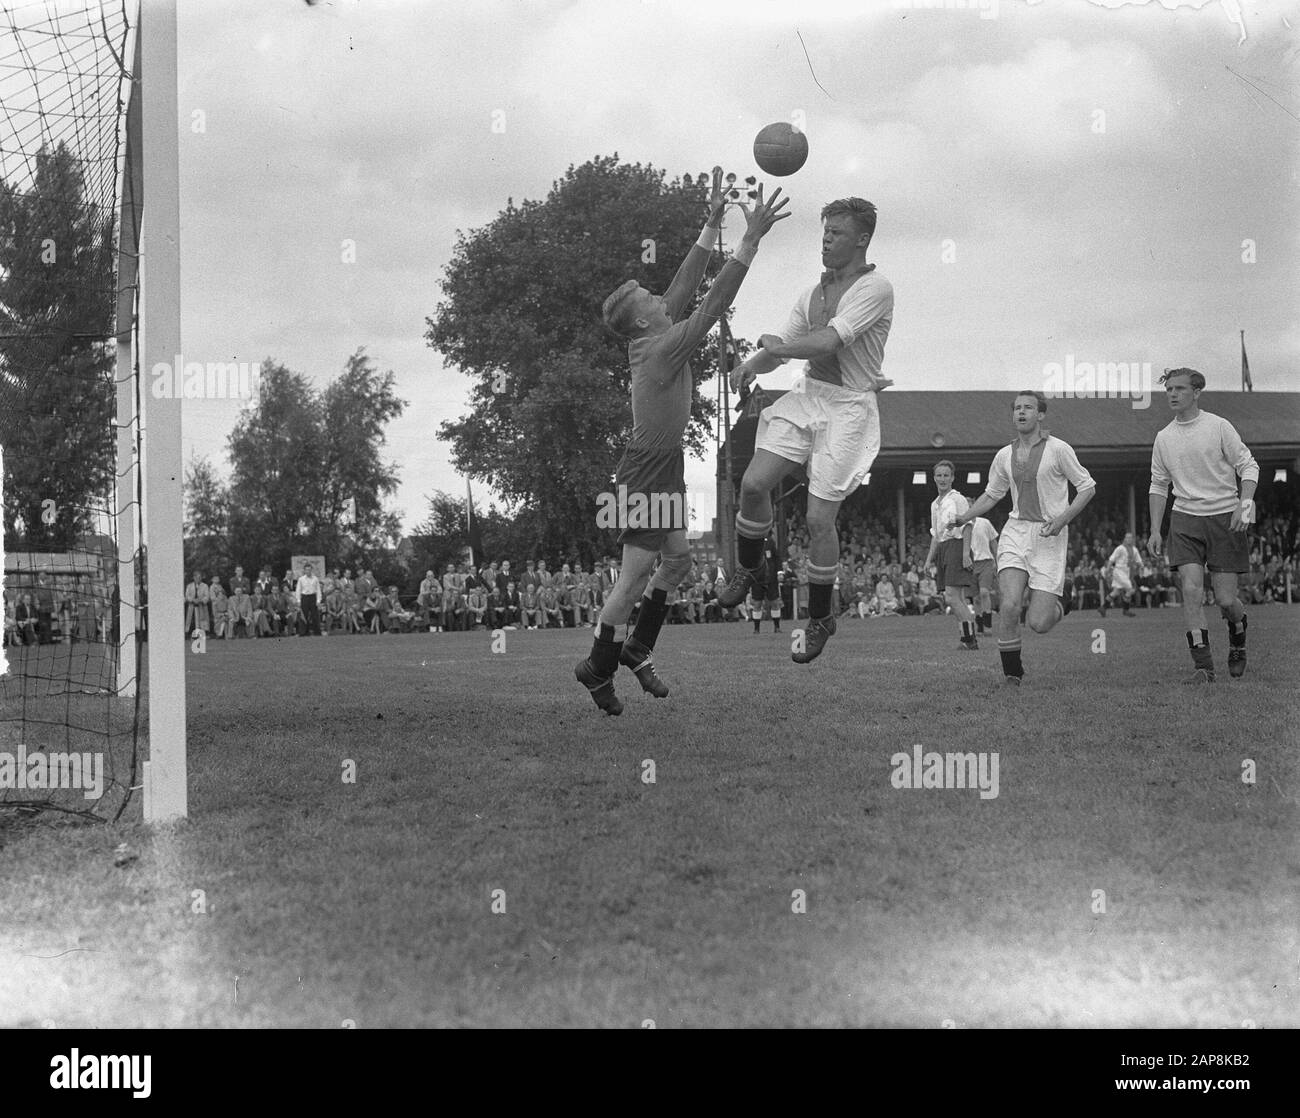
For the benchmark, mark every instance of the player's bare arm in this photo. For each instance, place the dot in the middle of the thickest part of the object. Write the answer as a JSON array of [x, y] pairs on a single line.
[[820, 343], [1244, 513], [1053, 527], [982, 504], [678, 296]]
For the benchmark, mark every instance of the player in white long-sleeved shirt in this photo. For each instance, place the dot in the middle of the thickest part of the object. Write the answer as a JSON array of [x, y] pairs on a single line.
[[951, 547], [1203, 456], [1036, 469]]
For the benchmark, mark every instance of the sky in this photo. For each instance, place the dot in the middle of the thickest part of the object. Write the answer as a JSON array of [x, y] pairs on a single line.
[[1067, 179]]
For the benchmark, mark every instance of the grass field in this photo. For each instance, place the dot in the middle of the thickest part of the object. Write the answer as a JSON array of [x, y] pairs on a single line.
[[371, 902]]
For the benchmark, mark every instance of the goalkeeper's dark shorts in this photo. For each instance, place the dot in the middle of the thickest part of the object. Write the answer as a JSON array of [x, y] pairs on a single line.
[[1209, 541], [655, 478]]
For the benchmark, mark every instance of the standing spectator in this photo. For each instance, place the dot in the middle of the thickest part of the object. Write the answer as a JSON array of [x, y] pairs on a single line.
[[87, 615], [309, 599], [348, 583], [239, 582], [197, 600], [44, 610], [530, 577], [363, 585]]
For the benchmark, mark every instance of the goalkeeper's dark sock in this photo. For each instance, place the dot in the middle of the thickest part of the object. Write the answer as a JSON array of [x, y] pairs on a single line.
[[605, 651], [651, 618], [819, 593]]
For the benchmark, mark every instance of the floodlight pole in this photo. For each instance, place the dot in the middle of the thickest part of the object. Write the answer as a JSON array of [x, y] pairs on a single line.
[[165, 777]]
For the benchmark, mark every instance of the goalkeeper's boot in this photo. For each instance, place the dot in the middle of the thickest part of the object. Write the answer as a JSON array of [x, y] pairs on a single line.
[[598, 678], [818, 631], [1236, 662], [640, 659], [742, 580]]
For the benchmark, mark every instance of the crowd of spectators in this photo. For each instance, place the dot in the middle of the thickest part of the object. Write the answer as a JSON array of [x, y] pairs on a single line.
[[53, 608], [873, 581]]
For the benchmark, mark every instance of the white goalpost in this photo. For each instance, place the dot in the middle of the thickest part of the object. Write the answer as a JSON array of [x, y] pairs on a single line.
[[165, 772]]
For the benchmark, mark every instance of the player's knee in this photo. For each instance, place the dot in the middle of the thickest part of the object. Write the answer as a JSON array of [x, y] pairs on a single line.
[[673, 569], [1040, 623]]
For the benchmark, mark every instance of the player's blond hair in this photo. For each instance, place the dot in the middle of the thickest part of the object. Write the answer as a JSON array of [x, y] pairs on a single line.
[[616, 312], [860, 210]]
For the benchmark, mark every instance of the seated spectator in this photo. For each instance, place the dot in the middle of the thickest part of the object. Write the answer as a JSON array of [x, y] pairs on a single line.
[[531, 606], [475, 606], [564, 599], [398, 617], [511, 606], [25, 618], [261, 614], [334, 608], [219, 604], [495, 607], [276, 609], [886, 598], [351, 608], [928, 595], [908, 602], [240, 613], [584, 614], [430, 601], [551, 616], [372, 610], [694, 609]]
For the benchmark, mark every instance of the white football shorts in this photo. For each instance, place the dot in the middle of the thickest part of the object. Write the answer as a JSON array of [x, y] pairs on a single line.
[[836, 431], [1022, 547]]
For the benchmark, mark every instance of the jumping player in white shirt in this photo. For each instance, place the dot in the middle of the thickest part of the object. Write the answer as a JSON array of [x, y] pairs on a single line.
[[829, 421], [1203, 456], [1032, 548]]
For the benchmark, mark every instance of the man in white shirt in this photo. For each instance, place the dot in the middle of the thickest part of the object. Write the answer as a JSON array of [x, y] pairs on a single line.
[[950, 551], [830, 422], [309, 599], [1123, 563], [1203, 456], [1037, 469], [983, 544]]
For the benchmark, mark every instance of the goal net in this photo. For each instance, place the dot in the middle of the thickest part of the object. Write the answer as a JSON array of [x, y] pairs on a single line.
[[69, 410]]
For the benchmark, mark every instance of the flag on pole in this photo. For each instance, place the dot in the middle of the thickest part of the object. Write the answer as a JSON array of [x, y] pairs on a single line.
[[1246, 385], [471, 527]]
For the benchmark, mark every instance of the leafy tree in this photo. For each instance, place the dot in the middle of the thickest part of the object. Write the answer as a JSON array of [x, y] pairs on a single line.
[[57, 402], [298, 459], [550, 411]]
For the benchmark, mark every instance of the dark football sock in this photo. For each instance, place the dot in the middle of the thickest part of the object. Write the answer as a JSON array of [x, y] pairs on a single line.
[[651, 618], [605, 651], [749, 552], [819, 599], [1237, 633], [1199, 643], [1011, 659]]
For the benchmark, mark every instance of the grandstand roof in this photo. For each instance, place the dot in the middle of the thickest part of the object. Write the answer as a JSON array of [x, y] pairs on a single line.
[[1105, 432]]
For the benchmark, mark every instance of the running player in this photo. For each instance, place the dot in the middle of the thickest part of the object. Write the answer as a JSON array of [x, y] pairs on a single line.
[[1123, 563], [1032, 548], [830, 421], [659, 352], [1203, 456], [983, 550], [951, 546]]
